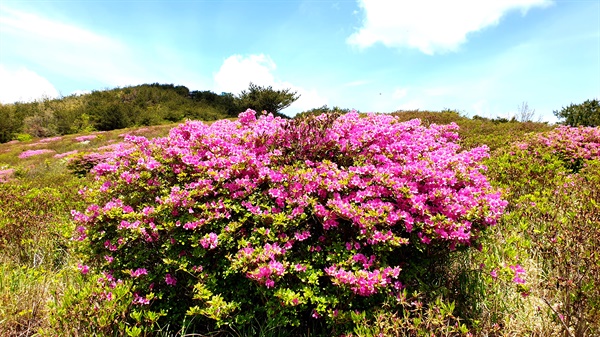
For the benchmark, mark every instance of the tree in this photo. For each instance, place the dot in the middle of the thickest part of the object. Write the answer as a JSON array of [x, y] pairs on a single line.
[[525, 113], [585, 114], [225, 102], [266, 99]]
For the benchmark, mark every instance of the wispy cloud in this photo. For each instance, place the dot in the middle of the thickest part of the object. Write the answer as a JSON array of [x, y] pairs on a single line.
[[83, 55], [431, 26], [67, 49]]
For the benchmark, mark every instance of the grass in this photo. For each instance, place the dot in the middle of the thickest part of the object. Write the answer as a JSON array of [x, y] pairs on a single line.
[[550, 230]]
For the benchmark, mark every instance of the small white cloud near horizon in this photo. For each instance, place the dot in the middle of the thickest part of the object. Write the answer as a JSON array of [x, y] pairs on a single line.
[[237, 71], [431, 26], [399, 93], [24, 85]]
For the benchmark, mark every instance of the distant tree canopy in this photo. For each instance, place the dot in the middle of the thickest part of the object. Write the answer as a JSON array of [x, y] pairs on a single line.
[[266, 99], [322, 110], [584, 114], [146, 104], [225, 103]]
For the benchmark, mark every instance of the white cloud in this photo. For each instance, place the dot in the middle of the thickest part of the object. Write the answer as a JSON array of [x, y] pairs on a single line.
[[83, 55], [432, 26], [67, 49], [399, 93], [58, 32], [23, 85], [237, 71]]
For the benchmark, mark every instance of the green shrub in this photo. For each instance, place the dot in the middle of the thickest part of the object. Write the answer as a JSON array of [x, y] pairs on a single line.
[[584, 114], [243, 221]]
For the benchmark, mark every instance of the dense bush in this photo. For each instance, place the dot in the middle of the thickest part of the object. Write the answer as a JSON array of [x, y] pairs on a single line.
[[584, 114], [573, 146], [313, 219]]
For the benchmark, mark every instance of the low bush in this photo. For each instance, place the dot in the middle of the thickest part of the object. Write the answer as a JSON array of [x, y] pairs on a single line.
[[313, 220]]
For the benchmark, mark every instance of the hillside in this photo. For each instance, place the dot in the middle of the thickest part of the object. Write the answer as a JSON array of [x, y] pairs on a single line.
[[534, 266], [103, 110]]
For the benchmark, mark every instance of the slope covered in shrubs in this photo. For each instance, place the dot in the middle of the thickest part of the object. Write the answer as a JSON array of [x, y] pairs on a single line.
[[282, 256]]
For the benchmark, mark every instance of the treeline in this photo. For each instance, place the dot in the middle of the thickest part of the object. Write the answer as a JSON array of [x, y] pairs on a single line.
[[146, 104]]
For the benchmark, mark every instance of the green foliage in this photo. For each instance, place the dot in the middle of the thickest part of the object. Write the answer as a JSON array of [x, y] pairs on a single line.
[[31, 222], [225, 103], [567, 237], [322, 110], [260, 98], [10, 123], [87, 308], [584, 114], [142, 105], [419, 317], [430, 117], [495, 133], [24, 137]]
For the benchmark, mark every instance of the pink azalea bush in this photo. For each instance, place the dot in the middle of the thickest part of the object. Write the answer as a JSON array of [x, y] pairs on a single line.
[[573, 145], [65, 154], [51, 139], [85, 138], [266, 217], [31, 153], [6, 174]]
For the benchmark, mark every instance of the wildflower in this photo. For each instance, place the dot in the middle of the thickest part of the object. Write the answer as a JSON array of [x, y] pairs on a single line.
[[83, 268], [170, 280], [31, 153]]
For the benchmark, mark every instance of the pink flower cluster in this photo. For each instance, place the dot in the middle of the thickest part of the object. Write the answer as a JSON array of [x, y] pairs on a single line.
[[298, 199], [6, 174], [519, 274], [49, 140], [85, 138], [31, 153], [570, 142], [65, 154], [210, 241], [364, 282]]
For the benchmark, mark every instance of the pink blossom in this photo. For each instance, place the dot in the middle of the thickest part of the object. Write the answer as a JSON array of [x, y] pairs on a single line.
[[139, 272], [139, 300], [170, 280], [210, 241], [48, 140], [85, 138], [83, 268], [30, 153]]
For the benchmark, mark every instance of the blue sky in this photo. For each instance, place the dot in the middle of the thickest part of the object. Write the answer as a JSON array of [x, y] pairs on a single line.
[[478, 57]]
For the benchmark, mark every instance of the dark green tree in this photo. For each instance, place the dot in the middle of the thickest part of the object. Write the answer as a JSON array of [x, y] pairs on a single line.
[[225, 102], [585, 114], [266, 99], [10, 124]]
